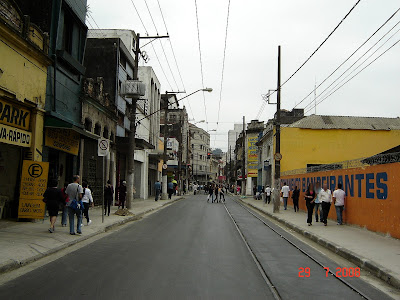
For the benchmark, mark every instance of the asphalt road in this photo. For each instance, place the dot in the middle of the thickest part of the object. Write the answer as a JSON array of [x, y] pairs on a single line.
[[189, 250]]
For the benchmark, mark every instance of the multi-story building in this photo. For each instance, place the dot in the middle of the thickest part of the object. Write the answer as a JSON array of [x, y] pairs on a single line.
[[178, 129], [110, 55], [99, 116], [200, 144], [64, 20], [232, 137], [23, 74]]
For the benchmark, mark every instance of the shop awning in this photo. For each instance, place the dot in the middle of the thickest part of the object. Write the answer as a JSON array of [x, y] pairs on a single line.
[[52, 122]]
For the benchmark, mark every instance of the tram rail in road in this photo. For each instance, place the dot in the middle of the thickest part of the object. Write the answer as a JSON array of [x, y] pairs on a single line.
[[356, 285]]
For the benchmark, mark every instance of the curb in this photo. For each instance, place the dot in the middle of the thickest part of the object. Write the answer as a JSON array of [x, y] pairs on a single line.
[[15, 264], [364, 263]]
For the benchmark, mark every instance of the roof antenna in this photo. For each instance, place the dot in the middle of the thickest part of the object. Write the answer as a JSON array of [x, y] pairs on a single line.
[[315, 95]]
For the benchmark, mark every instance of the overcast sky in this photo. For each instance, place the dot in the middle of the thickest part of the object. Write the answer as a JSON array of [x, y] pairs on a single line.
[[256, 28]]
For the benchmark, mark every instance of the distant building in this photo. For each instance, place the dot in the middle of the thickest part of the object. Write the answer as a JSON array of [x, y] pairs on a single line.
[[200, 145], [232, 137]]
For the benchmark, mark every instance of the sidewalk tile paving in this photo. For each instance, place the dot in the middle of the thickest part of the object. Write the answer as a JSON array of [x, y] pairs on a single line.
[[25, 242], [378, 253]]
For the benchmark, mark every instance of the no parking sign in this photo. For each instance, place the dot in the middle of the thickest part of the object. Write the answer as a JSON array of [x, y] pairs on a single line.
[[103, 147]]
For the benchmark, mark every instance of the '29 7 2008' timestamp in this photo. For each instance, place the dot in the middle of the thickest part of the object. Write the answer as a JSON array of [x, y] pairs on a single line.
[[340, 272]]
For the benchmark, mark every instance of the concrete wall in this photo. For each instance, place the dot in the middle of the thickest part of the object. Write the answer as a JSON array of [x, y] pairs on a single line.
[[372, 192], [300, 147]]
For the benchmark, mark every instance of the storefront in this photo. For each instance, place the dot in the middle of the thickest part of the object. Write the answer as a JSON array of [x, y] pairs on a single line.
[[16, 140], [63, 143]]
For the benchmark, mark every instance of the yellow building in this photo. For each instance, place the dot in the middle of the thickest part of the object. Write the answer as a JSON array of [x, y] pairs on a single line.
[[316, 139], [23, 73]]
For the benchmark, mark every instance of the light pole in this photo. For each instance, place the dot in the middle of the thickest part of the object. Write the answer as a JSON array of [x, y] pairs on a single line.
[[207, 157], [164, 194]]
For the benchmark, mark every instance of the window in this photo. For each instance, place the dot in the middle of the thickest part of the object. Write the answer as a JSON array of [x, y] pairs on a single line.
[[88, 124], [201, 157], [105, 132], [73, 34], [122, 60], [97, 129]]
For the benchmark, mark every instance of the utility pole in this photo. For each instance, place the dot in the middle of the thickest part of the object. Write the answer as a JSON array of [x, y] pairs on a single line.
[[180, 153], [278, 139], [244, 157], [130, 180], [164, 194]]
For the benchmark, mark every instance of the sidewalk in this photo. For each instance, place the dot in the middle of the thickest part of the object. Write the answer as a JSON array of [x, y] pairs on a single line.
[[376, 253], [24, 242]]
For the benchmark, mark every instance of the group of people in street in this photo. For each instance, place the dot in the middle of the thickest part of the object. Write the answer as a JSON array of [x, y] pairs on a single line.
[[75, 199], [216, 193], [318, 198]]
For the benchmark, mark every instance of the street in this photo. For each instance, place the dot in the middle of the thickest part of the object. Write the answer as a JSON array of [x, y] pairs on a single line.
[[189, 250]]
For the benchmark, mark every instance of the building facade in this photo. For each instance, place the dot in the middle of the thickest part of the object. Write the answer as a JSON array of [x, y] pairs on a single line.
[[23, 78], [200, 145], [115, 50], [64, 20]]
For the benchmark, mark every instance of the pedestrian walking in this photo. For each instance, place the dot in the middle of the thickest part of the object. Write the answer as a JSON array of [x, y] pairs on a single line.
[[325, 196], [64, 215], [122, 194], [285, 193], [295, 197], [210, 194], [157, 187], [54, 199], [87, 200], [238, 188], [184, 189], [170, 189], [75, 192], [221, 193], [339, 196], [268, 191], [255, 192], [309, 197], [216, 193], [318, 205], [108, 197]]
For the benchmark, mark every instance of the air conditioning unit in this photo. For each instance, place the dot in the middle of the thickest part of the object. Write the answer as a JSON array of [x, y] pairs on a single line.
[[133, 89]]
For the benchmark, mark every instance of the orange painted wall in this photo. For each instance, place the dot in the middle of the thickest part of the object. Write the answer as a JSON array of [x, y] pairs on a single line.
[[373, 195]]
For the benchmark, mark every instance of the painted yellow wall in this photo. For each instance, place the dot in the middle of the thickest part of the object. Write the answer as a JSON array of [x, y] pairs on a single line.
[[24, 74], [21, 77], [300, 147]]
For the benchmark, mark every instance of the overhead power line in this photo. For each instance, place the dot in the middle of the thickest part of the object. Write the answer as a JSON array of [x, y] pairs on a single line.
[[347, 59], [356, 74], [140, 18], [365, 53], [201, 63], [315, 51], [223, 63]]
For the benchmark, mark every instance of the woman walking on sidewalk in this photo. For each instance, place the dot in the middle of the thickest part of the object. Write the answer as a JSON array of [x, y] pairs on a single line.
[[310, 196], [295, 197], [53, 197], [87, 200]]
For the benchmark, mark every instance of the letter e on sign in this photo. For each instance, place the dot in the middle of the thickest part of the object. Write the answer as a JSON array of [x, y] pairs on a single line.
[[35, 170]]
